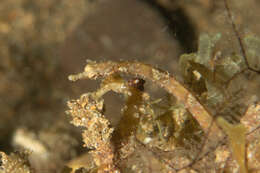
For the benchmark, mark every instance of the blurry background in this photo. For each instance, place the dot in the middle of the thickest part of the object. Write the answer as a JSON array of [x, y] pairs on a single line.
[[43, 41]]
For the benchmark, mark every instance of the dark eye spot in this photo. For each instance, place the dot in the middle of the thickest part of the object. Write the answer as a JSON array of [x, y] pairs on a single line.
[[137, 83]]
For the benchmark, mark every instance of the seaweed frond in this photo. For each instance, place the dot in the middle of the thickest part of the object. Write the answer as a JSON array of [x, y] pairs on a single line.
[[237, 141]]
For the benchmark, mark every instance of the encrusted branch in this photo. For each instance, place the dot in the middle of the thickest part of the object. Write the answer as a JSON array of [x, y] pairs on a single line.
[[87, 112]]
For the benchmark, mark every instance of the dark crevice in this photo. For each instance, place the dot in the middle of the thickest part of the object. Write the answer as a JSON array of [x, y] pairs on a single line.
[[179, 26], [5, 143]]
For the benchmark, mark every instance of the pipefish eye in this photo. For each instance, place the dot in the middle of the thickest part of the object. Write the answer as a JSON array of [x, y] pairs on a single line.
[[137, 83]]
